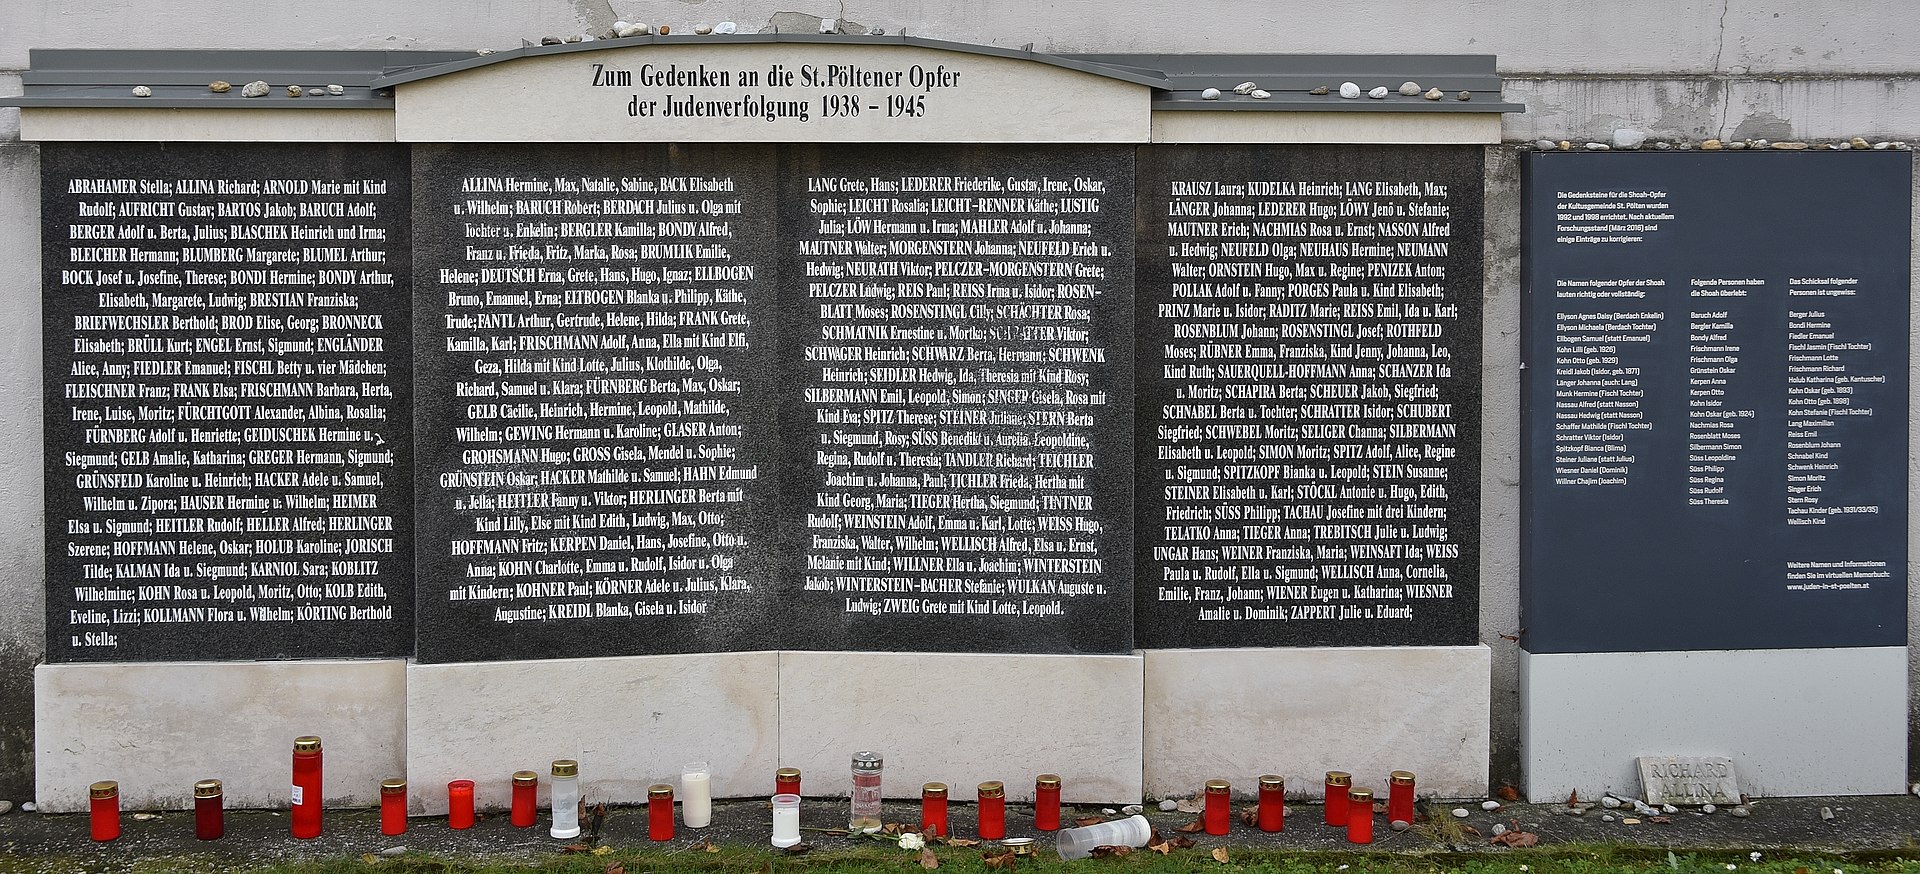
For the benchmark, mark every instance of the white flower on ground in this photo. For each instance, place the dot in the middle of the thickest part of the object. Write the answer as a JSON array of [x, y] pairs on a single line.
[[1732, 867], [1755, 856], [912, 841]]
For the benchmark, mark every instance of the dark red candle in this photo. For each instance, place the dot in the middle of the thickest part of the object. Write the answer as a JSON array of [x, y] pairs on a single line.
[[1400, 797], [526, 793], [933, 809], [1360, 816], [660, 812], [1218, 811], [1338, 782], [393, 806], [1046, 803], [209, 810], [993, 810], [1273, 803], [460, 804], [786, 781], [103, 804], [306, 787]]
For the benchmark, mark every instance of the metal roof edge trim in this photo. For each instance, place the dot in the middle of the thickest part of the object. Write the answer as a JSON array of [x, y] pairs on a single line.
[[86, 77]]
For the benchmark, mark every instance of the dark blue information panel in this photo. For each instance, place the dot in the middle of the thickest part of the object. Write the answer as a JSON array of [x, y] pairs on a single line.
[[1715, 401]]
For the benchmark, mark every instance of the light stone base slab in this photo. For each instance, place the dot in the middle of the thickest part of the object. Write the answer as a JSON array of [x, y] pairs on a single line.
[[963, 719], [1795, 721], [157, 727], [630, 721], [1234, 714]]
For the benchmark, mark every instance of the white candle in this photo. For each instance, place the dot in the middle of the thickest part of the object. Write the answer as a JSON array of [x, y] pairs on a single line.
[[696, 795], [786, 820], [566, 799]]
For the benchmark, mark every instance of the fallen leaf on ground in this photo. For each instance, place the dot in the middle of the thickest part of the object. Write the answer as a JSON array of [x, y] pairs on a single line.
[[1002, 861], [1085, 821], [1161, 847], [576, 848], [1470, 830], [1189, 805], [1663, 820], [616, 868], [963, 842], [1573, 798], [1508, 793], [1220, 855], [799, 849], [709, 846], [928, 860], [1249, 815], [1180, 842], [370, 858], [892, 828], [1192, 827], [1110, 852], [1517, 839]]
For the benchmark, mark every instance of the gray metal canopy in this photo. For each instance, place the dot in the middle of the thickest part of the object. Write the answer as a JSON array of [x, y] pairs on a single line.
[[179, 77]]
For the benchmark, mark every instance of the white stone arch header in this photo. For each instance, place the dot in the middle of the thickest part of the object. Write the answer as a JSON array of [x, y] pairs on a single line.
[[717, 90]]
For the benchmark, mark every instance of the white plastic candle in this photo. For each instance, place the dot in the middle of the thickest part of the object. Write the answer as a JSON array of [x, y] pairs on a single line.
[[786, 820], [696, 796], [566, 799]]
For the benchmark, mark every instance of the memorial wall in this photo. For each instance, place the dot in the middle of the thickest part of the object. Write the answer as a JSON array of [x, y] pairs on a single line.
[[487, 402]]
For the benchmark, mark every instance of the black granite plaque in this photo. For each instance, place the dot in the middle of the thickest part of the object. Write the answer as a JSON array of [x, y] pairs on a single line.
[[227, 404], [1309, 426], [958, 397], [1715, 401], [596, 413]]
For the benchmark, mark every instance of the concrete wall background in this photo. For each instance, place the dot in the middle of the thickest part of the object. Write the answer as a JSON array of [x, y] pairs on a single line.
[[1680, 69]]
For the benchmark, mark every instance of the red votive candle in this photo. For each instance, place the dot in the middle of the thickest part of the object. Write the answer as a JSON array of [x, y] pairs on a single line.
[[1400, 797], [1273, 803], [1219, 809], [460, 804], [786, 781], [660, 812], [103, 806], [209, 810], [526, 793], [1046, 802], [306, 787], [993, 810], [1338, 782], [1360, 816], [393, 806], [933, 809]]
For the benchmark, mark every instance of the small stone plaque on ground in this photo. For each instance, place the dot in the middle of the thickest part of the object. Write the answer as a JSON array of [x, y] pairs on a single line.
[[1689, 780]]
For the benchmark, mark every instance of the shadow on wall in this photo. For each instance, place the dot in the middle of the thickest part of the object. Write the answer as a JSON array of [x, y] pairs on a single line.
[[16, 720]]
